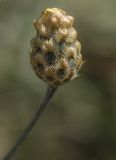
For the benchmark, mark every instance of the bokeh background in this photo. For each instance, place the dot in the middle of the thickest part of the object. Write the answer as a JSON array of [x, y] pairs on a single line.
[[80, 122]]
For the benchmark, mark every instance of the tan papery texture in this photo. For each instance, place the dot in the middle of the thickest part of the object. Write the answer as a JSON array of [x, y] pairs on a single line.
[[56, 54]]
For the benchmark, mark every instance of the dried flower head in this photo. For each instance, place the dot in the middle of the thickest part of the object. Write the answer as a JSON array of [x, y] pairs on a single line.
[[56, 53]]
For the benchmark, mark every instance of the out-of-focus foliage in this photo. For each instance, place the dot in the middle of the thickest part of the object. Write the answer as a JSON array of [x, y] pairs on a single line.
[[80, 121]]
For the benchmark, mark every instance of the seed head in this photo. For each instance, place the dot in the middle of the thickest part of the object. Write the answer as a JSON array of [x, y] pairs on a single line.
[[56, 54]]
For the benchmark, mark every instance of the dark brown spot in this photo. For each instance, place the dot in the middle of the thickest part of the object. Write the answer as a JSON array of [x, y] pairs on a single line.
[[40, 67], [42, 37], [61, 73], [50, 58], [39, 50], [49, 78]]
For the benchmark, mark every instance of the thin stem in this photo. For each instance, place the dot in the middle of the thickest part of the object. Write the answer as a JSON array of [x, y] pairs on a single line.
[[50, 91]]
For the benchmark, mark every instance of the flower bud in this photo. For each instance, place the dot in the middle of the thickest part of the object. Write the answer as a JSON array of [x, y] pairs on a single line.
[[56, 54]]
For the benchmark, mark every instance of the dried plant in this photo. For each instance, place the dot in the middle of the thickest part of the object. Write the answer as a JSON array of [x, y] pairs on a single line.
[[56, 53], [55, 57]]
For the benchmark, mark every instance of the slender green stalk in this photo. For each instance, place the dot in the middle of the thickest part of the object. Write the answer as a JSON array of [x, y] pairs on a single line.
[[50, 91]]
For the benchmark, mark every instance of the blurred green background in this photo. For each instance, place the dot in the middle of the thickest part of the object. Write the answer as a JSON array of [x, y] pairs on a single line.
[[80, 122]]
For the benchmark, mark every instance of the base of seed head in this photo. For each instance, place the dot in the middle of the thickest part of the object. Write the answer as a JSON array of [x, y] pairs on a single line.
[[56, 54]]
